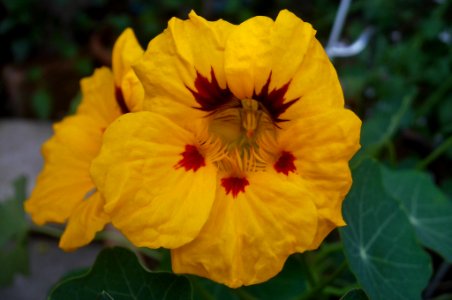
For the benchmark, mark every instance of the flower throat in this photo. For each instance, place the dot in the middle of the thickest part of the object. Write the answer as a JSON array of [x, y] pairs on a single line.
[[244, 127]]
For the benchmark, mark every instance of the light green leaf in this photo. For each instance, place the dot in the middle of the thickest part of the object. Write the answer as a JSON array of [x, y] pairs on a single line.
[[427, 208], [355, 294], [13, 235], [118, 275], [379, 242]]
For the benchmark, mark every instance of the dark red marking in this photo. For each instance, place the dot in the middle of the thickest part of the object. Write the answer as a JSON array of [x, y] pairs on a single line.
[[274, 101], [121, 101], [285, 163], [191, 159], [234, 185], [209, 95]]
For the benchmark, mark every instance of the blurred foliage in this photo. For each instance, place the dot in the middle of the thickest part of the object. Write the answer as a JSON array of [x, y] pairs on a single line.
[[400, 86], [13, 234]]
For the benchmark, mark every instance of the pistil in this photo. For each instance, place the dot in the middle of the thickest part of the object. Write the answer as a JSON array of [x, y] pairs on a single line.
[[250, 115]]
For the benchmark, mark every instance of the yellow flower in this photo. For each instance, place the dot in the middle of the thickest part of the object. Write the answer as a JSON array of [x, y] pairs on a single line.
[[242, 156], [64, 190]]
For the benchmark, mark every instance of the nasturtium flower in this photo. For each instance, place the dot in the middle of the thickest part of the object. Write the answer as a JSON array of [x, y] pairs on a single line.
[[64, 191], [241, 157]]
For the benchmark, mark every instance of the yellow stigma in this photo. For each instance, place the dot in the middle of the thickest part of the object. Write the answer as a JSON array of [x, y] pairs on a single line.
[[250, 116]]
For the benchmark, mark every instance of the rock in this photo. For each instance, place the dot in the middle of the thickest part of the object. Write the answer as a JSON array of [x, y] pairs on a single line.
[[20, 152], [48, 264]]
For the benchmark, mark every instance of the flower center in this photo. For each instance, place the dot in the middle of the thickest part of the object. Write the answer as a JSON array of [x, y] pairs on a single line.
[[241, 133], [240, 127], [240, 123]]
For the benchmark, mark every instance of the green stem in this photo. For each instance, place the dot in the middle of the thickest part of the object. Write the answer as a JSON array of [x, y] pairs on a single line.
[[151, 253], [306, 266], [112, 236], [47, 230], [435, 154], [391, 152], [313, 293], [340, 291], [326, 250], [394, 124], [435, 97], [203, 292]]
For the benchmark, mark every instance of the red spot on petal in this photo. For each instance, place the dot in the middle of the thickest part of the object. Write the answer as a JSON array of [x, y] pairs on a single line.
[[209, 95], [191, 159], [285, 163], [274, 101], [234, 185], [121, 101]]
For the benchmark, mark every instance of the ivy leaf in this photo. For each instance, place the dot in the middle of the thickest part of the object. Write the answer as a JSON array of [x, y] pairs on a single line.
[[13, 235], [205, 289], [379, 242], [118, 275], [427, 208], [289, 284], [355, 294]]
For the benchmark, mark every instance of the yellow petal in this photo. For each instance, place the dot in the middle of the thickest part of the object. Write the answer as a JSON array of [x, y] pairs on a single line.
[[99, 100], [150, 197], [322, 145], [85, 221], [170, 64], [248, 238], [315, 85], [132, 91], [324, 227], [65, 179], [126, 52], [260, 46]]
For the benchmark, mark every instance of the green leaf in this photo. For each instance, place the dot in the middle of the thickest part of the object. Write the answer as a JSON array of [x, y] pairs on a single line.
[[427, 208], [379, 242], [205, 289], [289, 284], [446, 187], [118, 275], [355, 294], [13, 235]]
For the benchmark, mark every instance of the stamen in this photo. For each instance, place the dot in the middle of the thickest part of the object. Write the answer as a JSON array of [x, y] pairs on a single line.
[[210, 146]]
